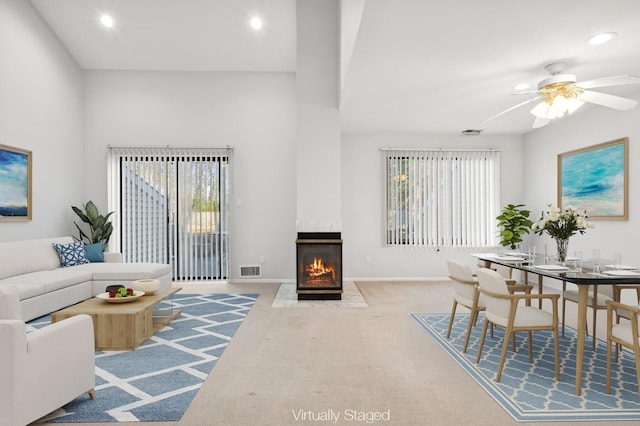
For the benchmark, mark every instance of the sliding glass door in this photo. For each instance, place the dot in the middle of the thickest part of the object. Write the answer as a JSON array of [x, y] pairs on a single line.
[[172, 207]]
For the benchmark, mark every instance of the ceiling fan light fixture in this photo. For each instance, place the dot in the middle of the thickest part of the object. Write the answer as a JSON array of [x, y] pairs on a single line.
[[601, 38], [541, 110], [557, 107]]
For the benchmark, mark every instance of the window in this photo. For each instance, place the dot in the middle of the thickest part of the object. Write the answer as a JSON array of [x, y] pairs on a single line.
[[172, 207], [440, 198]]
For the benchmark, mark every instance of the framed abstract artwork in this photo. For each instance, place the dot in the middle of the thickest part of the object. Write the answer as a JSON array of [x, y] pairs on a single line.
[[15, 184], [596, 179]]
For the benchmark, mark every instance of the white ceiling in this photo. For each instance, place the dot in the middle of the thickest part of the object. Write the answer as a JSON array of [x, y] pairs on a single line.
[[417, 65]]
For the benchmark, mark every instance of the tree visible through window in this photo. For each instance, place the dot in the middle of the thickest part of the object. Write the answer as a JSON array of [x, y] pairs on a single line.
[[441, 198]]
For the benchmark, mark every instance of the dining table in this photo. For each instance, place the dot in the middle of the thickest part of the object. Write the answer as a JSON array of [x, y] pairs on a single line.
[[583, 275]]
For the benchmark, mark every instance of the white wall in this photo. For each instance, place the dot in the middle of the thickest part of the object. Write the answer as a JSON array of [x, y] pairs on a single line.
[[41, 111], [255, 113], [362, 203], [589, 126]]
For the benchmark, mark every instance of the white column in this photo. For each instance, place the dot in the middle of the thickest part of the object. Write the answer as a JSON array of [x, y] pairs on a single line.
[[318, 120]]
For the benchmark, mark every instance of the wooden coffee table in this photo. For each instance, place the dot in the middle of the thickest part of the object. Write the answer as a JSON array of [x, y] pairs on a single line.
[[122, 326]]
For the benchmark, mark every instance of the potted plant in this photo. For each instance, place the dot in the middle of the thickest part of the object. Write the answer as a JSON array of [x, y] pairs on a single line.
[[100, 227], [514, 222]]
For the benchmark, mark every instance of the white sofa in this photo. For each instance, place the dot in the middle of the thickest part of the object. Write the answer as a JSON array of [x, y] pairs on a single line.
[[34, 269], [45, 369]]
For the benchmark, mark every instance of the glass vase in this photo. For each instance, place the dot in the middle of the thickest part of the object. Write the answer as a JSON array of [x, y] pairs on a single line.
[[562, 245]]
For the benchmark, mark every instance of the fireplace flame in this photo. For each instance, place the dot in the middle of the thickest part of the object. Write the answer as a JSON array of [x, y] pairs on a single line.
[[318, 269]]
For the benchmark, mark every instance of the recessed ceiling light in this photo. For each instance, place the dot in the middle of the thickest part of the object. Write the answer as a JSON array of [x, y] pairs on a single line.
[[521, 86], [601, 38], [107, 21], [256, 23]]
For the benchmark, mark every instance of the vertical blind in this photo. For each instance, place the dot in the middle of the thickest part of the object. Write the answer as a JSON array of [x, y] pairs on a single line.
[[172, 206], [441, 198]]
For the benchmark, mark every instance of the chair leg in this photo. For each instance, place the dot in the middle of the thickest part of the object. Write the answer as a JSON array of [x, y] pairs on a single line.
[[556, 344], [472, 321], [607, 388], [564, 308], [503, 355], [618, 347], [453, 313], [92, 394], [637, 356], [595, 313], [484, 334]]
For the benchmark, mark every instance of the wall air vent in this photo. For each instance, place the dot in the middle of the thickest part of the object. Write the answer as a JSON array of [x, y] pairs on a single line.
[[250, 271], [471, 132]]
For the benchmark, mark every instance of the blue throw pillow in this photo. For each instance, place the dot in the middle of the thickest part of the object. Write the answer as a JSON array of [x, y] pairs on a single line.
[[71, 254], [95, 251]]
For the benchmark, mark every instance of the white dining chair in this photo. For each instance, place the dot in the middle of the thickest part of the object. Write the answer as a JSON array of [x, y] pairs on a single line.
[[622, 334], [465, 293], [503, 309]]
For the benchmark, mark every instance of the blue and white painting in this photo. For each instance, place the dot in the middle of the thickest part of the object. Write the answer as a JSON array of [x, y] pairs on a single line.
[[14, 184], [594, 180]]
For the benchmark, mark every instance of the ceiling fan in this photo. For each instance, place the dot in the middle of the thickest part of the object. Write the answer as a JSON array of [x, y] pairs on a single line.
[[562, 94]]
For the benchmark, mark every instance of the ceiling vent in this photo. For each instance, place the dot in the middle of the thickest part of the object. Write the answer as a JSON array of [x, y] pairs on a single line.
[[471, 132]]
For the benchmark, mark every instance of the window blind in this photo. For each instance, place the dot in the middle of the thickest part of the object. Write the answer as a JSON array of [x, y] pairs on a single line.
[[441, 198], [172, 206]]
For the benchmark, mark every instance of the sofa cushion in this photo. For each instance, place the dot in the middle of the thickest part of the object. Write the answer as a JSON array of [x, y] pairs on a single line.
[[25, 291], [71, 254], [95, 252], [21, 257], [41, 282], [124, 271]]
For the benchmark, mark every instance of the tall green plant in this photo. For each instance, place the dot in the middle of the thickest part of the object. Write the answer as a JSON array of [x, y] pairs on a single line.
[[100, 227], [514, 222]]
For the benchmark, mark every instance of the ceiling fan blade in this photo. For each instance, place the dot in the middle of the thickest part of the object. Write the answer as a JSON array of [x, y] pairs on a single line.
[[610, 101], [540, 122], [511, 109], [609, 81], [528, 92]]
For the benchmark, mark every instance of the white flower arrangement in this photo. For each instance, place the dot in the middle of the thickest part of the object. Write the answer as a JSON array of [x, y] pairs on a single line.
[[562, 223]]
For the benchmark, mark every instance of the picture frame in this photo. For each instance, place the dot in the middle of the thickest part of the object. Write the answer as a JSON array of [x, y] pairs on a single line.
[[15, 184], [596, 179]]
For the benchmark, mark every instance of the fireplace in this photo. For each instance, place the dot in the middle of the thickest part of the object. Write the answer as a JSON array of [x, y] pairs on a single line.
[[319, 266]]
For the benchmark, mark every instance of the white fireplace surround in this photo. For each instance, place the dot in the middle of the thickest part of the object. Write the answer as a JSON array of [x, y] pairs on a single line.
[[318, 226]]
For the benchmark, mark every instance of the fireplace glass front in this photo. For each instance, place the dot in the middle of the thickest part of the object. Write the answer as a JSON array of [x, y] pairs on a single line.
[[319, 266]]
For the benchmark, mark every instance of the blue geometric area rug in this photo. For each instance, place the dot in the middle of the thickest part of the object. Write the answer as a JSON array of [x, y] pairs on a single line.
[[158, 380], [529, 392]]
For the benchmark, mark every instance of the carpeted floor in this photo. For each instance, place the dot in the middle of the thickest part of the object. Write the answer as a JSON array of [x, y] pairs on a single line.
[[158, 380], [529, 392], [373, 360]]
